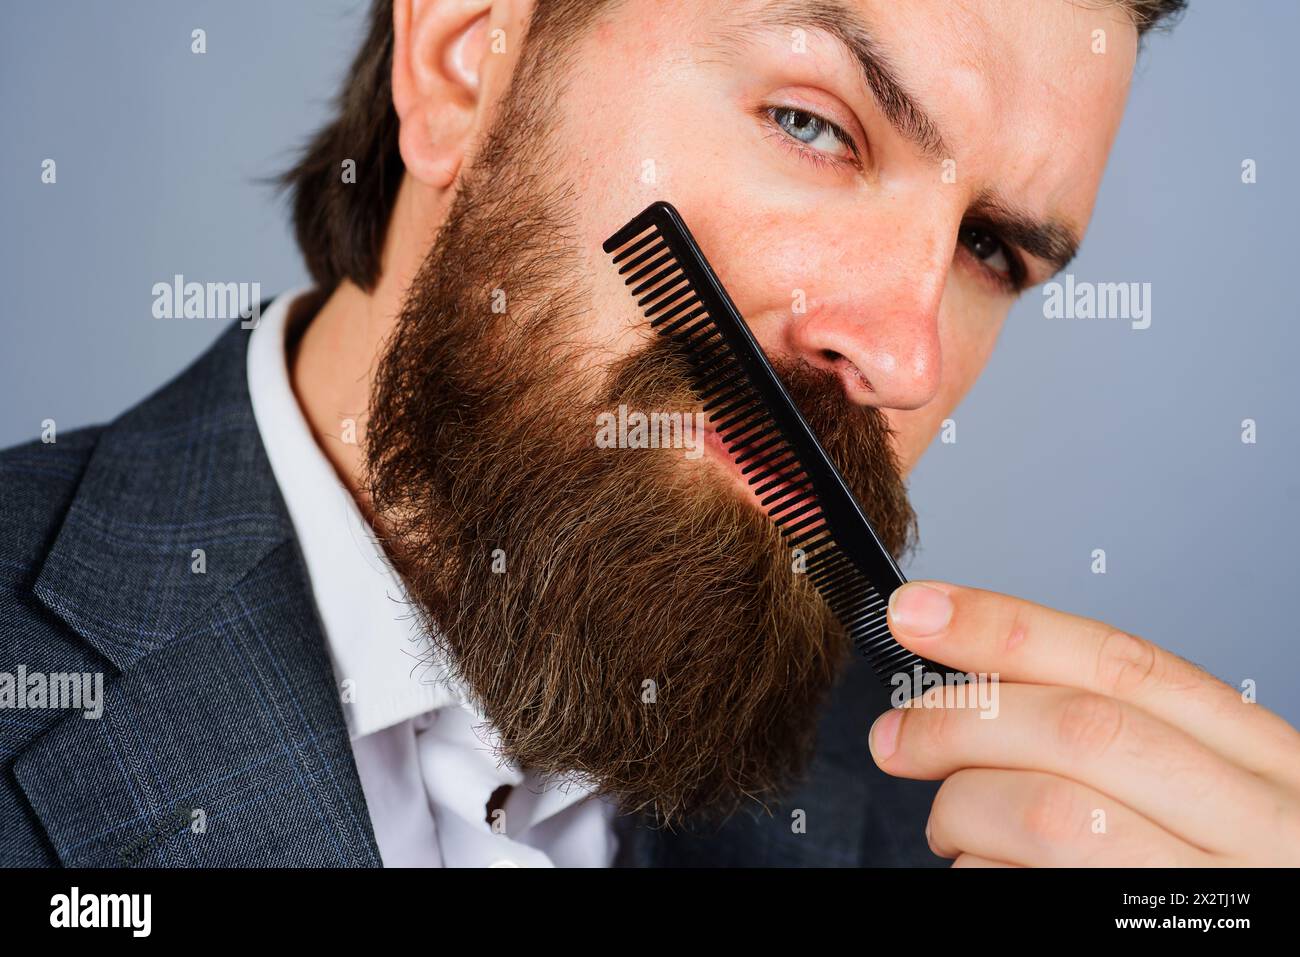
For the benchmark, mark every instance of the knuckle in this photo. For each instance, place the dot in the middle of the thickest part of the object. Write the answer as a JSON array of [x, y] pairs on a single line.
[[1018, 630], [1089, 725], [1054, 814], [949, 804], [942, 726], [948, 798], [1125, 663]]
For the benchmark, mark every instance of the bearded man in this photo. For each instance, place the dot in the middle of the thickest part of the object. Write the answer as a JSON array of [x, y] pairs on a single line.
[[368, 592]]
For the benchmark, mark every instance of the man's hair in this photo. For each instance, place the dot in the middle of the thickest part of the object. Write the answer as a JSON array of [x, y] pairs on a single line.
[[1148, 14], [340, 226]]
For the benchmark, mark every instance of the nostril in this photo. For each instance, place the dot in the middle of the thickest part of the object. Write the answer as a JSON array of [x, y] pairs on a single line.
[[855, 375], [845, 366]]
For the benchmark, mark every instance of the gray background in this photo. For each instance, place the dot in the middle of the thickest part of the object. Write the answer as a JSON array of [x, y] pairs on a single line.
[[1080, 435]]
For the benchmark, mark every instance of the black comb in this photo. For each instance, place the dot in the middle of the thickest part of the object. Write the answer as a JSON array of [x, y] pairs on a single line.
[[800, 487]]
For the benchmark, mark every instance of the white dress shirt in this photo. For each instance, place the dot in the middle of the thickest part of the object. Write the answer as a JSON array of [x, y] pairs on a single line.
[[425, 754]]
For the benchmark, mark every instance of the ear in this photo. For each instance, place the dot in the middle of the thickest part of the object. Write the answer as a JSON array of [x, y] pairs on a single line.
[[438, 56]]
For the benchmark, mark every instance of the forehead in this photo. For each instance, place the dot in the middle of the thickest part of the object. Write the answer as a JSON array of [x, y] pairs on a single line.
[[1028, 95], [1025, 95]]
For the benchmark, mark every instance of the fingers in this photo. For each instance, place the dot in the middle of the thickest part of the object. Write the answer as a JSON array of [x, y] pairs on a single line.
[[1108, 745], [985, 632], [970, 860], [1003, 818]]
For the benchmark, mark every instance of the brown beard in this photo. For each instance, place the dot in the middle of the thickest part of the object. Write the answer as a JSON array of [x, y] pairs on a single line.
[[648, 634]]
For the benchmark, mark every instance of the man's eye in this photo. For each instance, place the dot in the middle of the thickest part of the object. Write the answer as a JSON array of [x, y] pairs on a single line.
[[988, 249], [814, 131]]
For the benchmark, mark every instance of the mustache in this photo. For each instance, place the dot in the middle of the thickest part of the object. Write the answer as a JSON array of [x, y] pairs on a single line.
[[858, 438]]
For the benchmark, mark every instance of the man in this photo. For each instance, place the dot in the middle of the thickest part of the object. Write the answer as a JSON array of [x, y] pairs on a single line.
[[366, 591]]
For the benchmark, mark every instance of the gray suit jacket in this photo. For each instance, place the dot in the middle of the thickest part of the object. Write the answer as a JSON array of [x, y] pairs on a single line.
[[219, 694]]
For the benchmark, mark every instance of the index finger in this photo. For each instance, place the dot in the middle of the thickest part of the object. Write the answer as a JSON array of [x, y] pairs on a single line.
[[985, 632]]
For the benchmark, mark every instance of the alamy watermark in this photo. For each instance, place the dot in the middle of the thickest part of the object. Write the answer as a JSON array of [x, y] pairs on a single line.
[[923, 688], [1073, 299], [652, 430], [22, 690], [133, 912], [179, 299]]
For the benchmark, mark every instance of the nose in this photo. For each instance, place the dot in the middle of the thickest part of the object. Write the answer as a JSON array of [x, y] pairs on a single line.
[[873, 316]]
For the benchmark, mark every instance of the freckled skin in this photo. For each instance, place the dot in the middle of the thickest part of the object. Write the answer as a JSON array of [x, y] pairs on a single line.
[[874, 251]]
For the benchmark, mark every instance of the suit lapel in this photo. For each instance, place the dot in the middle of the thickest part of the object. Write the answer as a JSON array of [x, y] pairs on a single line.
[[222, 741]]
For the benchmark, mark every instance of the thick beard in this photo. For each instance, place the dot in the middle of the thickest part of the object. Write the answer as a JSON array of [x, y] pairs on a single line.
[[648, 635]]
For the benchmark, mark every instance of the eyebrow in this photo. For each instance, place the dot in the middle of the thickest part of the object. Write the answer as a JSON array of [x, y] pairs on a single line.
[[846, 25], [1052, 241]]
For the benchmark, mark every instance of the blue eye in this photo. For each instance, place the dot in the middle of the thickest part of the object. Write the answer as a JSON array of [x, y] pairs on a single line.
[[814, 131]]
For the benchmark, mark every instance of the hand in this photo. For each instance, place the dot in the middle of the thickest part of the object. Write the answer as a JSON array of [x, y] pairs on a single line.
[[1105, 749]]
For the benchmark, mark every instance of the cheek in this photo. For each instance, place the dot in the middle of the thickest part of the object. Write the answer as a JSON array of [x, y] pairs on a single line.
[[768, 226], [756, 220], [969, 329], [617, 154]]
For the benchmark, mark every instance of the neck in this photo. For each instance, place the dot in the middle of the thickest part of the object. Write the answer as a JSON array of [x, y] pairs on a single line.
[[333, 367], [331, 372]]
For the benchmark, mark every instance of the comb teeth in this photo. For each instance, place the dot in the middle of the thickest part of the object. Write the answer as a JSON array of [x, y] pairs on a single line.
[[797, 483]]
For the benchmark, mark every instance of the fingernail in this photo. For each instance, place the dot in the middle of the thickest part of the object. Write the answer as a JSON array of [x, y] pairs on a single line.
[[883, 739], [920, 610]]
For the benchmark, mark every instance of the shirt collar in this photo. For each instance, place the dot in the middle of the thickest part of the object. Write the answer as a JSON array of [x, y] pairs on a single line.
[[384, 664]]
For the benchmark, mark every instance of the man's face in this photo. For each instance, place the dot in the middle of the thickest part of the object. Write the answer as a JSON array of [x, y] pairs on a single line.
[[624, 614], [709, 105]]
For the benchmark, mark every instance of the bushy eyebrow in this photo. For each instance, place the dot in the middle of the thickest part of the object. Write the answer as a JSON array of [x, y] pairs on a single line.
[[844, 24], [1052, 241]]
